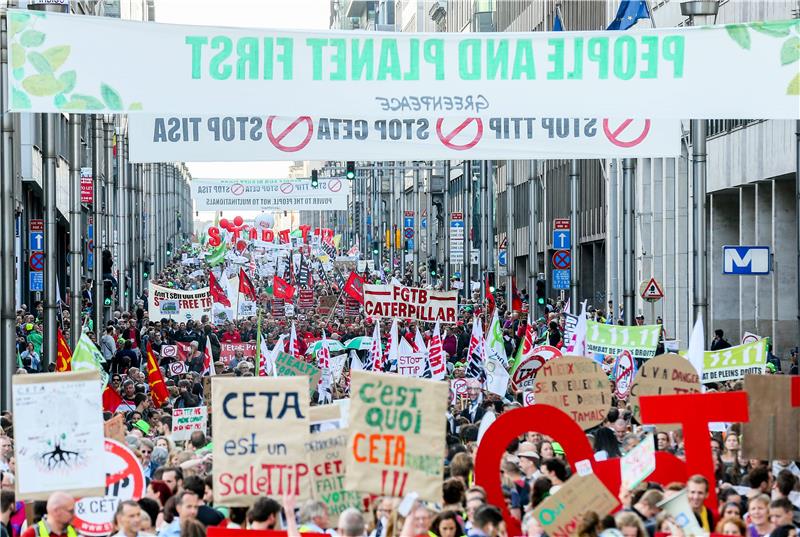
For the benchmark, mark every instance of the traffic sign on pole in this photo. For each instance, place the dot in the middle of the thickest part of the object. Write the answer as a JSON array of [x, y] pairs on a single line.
[[562, 239], [561, 279], [36, 281], [36, 261], [501, 258], [562, 259], [561, 223], [36, 240], [651, 290]]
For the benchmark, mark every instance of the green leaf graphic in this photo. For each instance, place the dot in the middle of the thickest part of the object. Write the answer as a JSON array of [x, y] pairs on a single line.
[[111, 97], [31, 38], [774, 29], [41, 85], [39, 63], [790, 51], [59, 100], [19, 73], [136, 106], [74, 104], [739, 33], [92, 103], [19, 100], [68, 79], [57, 55], [18, 22], [17, 56], [794, 86]]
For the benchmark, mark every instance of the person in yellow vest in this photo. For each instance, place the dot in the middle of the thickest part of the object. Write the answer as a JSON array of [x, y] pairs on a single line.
[[56, 523]]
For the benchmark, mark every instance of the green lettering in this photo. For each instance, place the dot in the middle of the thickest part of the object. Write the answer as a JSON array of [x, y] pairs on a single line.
[[413, 67], [577, 68], [247, 60], [556, 59], [432, 52], [316, 45], [469, 59], [390, 60], [362, 59], [650, 56], [339, 58], [286, 57], [196, 42], [219, 70], [598, 52], [496, 58], [523, 60], [267, 60], [672, 50], [625, 57]]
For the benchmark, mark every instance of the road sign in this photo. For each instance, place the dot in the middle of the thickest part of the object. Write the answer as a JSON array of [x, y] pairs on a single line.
[[87, 194], [409, 232], [746, 260], [35, 281], [560, 279], [36, 240], [124, 481], [562, 259], [501, 258], [456, 238], [561, 223], [562, 239], [423, 223], [36, 224], [651, 290], [36, 261]]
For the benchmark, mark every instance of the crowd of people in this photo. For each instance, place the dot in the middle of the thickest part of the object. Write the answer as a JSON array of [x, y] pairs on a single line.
[[756, 497]]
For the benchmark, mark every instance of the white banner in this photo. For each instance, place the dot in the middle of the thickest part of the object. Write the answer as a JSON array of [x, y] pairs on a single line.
[[158, 138], [185, 421], [191, 304], [62, 64], [263, 194], [398, 301]]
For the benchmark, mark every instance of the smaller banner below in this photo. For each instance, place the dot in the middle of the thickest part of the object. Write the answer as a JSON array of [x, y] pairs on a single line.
[[265, 194], [192, 305], [610, 340], [734, 363], [163, 138], [185, 421], [398, 301]]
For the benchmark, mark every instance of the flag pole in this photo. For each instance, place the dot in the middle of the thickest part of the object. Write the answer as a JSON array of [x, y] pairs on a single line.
[[333, 309]]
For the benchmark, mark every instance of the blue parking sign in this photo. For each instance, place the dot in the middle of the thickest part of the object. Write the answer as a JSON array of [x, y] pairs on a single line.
[[36, 281], [561, 279]]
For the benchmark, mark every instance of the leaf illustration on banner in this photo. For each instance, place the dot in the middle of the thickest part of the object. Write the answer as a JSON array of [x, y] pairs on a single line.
[[739, 33], [31, 38], [774, 29], [57, 56], [18, 22], [19, 99], [19, 73], [136, 106], [68, 79], [17, 56], [790, 52], [92, 103], [40, 63], [41, 85], [794, 86], [111, 97]]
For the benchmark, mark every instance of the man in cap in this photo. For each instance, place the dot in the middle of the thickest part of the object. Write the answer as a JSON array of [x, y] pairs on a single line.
[[529, 462]]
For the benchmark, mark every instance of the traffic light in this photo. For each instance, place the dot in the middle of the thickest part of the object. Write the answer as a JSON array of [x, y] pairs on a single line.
[[169, 249], [108, 292], [314, 179], [432, 267], [540, 292], [375, 250], [350, 172], [146, 269]]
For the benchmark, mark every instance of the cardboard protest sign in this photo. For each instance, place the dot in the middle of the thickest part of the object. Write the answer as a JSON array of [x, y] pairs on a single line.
[[326, 304], [458, 389], [326, 451], [192, 305], [774, 427], [185, 421], [624, 373], [229, 350], [399, 301], [735, 362], [664, 374], [57, 446], [611, 339], [287, 365], [576, 385], [523, 374], [638, 463], [397, 435], [260, 428], [411, 364], [560, 514]]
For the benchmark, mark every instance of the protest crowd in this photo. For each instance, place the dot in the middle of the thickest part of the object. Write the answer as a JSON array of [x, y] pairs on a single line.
[[278, 317]]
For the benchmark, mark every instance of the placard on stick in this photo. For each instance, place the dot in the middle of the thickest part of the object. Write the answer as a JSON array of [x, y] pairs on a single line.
[[576, 385], [561, 513], [663, 375], [773, 431]]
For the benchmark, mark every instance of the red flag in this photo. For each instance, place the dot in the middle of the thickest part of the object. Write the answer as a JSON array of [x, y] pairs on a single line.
[[355, 287], [282, 289], [489, 298], [217, 294], [158, 390], [246, 286], [111, 399], [63, 354], [516, 301]]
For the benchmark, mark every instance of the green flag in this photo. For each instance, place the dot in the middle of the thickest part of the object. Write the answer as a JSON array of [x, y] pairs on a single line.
[[215, 256], [87, 357]]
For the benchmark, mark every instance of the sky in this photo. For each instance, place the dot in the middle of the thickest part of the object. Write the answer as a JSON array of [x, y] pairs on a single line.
[[279, 14]]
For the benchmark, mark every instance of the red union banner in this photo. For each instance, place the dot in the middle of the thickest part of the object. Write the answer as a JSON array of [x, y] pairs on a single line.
[[397, 301]]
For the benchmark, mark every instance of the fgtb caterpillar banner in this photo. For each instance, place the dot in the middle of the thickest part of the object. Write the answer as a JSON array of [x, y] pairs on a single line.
[[398, 301]]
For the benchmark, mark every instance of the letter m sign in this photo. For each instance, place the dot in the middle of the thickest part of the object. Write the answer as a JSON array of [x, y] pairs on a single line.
[[746, 260]]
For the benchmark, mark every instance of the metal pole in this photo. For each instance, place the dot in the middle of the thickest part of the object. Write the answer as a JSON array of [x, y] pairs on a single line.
[[123, 221], [628, 239], [467, 201], [612, 253], [483, 224], [417, 220], [533, 228], [446, 220], [8, 337], [700, 300], [392, 221], [75, 228], [511, 247], [108, 167], [429, 251], [574, 177], [797, 211], [97, 206], [50, 239]]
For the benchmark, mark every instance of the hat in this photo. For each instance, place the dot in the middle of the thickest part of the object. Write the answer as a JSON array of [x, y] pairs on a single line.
[[557, 449], [771, 367], [459, 364], [29, 327]]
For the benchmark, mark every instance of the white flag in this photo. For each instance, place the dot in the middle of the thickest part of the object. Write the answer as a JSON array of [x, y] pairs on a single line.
[[577, 343], [495, 344], [697, 345], [496, 377], [436, 354]]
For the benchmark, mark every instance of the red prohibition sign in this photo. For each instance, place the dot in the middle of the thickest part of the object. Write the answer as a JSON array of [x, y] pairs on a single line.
[[237, 189], [287, 188], [561, 259], [613, 136], [277, 140], [447, 139], [37, 261], [335, 185]]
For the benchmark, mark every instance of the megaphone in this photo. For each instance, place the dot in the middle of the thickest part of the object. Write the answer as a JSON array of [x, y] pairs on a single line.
[[678, 506]]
